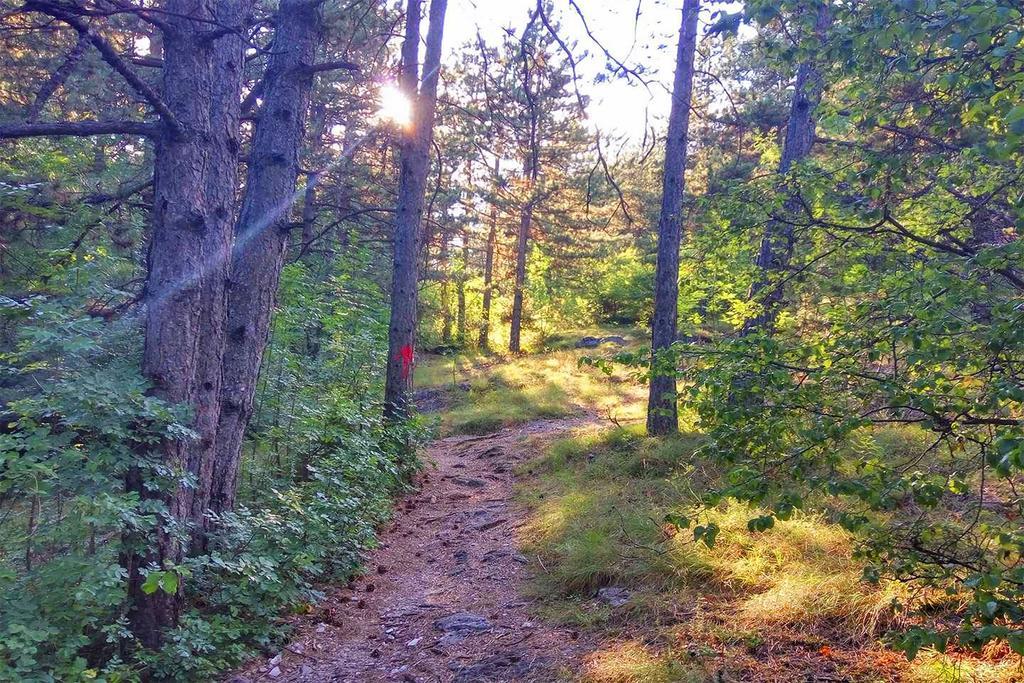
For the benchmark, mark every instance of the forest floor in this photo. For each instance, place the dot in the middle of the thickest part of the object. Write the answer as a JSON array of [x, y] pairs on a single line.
[[527, 552]]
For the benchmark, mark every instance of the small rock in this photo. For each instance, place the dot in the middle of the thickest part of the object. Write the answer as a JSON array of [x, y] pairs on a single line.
[[489, 523], [275, 660], [456, 627], [306, 670], [491, 452], [275, 672], [470, 482], [503, 666], [615, 596], [414, 642]]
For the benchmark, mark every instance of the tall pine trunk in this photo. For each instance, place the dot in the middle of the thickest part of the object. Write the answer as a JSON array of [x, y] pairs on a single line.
[[662, 413], [444, 273], [460, 293], [261, 235], [522, 245], [414, 162], [777, 243], [492, 238], [193, 205]]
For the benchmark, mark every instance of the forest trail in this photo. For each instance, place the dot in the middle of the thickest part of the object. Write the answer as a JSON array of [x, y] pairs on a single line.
[[441, 598]]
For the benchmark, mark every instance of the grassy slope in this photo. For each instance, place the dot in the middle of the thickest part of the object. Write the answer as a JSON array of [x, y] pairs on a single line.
[[490, 392], [774, 606]]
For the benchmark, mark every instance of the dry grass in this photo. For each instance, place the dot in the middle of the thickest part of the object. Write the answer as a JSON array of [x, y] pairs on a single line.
[[773, 606], [634, 662], [514, 390], [933, 667]]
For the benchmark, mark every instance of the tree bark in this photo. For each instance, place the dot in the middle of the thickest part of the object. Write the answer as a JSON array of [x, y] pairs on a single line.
[[522, 245], [777, 243], [492, 238], [261, 234], [662, 413], [444, 273], [460, 294], [414, 159], [193, 203]]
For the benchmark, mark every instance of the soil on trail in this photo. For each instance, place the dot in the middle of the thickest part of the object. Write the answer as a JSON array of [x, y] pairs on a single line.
[[441, 600]]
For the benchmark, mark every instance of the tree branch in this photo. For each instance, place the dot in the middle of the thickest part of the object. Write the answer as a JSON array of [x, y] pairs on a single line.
[[111, 57], [77, 129], [56, 79], [336, 65]]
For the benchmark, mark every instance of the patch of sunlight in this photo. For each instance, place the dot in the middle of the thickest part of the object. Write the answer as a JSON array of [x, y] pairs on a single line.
[[935, 667], [530, 387], [804, 598], [800, 572], [597, 499], [634, 662]]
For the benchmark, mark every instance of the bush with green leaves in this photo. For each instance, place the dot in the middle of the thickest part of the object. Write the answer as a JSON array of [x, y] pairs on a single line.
[[320, 470]]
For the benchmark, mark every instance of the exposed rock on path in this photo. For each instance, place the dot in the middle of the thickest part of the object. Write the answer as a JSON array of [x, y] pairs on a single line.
[[441, 600]]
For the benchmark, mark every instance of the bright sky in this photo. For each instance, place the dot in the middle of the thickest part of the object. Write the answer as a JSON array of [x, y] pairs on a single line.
[[617, 106]]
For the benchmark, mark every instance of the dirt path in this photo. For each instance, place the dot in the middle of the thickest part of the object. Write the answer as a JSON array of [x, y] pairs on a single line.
[[441, 601]]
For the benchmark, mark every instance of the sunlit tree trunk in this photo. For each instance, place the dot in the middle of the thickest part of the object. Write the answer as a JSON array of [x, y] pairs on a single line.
[[414, 163], [460, 293], [522, 245], [261, 235], [662, 414], [444, 273], [492, 238]]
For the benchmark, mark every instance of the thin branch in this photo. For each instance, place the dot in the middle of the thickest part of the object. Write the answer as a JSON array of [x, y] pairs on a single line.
[[111, 57], [56, 80], [78, 129], [336, 65]]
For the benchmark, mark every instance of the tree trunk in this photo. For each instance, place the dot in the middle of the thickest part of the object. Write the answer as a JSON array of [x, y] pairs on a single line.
[[531, 170], [662, 414], [492, 237], [414, 163], [261, 235], [446, 288], [460, 294], [777, 243], [193, 204], [522, 244]]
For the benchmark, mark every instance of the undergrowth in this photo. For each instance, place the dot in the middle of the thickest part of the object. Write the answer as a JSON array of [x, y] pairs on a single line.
[[774, 605]]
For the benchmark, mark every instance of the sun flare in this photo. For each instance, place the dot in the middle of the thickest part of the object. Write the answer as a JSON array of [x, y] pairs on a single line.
[[395, 106]]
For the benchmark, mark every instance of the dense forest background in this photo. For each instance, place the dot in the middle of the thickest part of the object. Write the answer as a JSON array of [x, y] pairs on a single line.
[[207, 210]]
